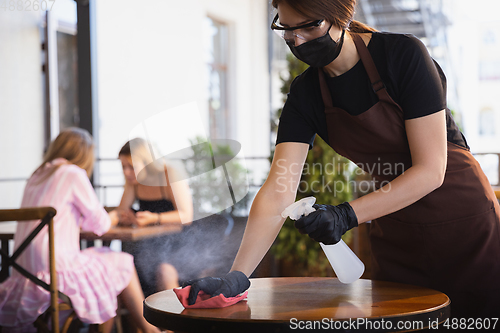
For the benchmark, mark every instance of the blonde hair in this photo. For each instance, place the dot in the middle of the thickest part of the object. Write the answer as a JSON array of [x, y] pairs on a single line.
[[73, 144]]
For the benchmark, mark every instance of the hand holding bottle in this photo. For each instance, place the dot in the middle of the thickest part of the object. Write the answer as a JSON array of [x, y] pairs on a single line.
[[329, 223]]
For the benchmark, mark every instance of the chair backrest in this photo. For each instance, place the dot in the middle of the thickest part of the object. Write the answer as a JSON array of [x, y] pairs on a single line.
[[109, 208], [46, 215]]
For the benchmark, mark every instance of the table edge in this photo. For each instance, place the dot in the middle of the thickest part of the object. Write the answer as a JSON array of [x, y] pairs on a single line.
[[441, 312]]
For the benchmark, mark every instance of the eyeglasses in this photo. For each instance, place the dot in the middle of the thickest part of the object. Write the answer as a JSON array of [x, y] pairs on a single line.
[[306, 32]]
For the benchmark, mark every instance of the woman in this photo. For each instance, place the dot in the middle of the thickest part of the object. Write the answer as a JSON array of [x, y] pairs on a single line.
[[92, 278], [379, 99], [156, 260]]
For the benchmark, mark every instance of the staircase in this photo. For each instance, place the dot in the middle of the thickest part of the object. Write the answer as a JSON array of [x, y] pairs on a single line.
[[422, 18]]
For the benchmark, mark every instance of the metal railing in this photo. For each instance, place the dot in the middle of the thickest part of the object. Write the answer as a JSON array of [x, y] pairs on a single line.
[[102, 189]]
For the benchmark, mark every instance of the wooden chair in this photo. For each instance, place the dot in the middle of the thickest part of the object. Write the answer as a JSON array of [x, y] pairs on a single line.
[[46, 215]]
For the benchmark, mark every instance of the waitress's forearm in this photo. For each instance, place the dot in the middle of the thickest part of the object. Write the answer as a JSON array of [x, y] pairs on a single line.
[[263, 225], [277, 193], [412, 185]]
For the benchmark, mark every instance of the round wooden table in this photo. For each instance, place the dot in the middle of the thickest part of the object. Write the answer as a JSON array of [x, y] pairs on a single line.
[[291, 304]]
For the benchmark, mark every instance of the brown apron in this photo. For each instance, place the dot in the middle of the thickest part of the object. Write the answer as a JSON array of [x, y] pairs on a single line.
[[450, 239]]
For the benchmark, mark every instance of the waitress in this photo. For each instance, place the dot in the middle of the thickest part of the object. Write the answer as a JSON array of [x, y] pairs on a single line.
[[378, 99]]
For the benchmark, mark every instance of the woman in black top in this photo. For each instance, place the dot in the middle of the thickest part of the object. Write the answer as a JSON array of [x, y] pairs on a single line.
[[156, 259], [380, 100]]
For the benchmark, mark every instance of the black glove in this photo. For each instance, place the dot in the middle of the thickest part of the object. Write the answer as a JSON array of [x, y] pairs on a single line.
[[328, 223], [233, 284]]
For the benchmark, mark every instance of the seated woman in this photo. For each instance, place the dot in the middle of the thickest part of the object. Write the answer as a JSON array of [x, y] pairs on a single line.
[[92, 278], [158, 260]]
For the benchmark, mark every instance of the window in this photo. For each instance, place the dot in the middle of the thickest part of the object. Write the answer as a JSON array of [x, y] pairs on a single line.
[[487, 122], [60, 71], [67, 72], [217, 60]]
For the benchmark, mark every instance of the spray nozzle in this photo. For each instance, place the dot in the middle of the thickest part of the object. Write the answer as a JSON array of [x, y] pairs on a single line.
[[299, 208]]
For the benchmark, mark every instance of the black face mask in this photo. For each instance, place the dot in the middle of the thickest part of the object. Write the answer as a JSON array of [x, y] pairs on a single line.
[[318, 52]]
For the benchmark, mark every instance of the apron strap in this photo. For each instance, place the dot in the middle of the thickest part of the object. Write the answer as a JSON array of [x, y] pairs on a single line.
[[378, 85]]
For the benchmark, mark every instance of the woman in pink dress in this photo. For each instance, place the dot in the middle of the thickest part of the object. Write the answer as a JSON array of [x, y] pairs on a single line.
[[92, 278]]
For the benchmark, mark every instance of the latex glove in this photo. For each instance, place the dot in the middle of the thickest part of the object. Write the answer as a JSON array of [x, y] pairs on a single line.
[[232, 284], [328, 223]]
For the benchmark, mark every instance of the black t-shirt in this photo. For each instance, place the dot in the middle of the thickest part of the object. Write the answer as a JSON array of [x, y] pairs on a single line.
[[413, 80]]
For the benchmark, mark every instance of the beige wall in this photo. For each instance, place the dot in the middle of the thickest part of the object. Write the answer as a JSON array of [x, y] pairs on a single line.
[[21, 105]]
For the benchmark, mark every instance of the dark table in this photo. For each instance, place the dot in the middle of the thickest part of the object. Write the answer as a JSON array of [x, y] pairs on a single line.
[[132, 234], [282, 304]]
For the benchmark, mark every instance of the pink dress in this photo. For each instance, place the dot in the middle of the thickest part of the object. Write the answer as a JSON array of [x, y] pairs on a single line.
[[92, 278]]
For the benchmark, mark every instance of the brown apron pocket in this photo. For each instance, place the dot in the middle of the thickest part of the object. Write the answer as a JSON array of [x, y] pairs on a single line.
[[398, 252], [464, 254]]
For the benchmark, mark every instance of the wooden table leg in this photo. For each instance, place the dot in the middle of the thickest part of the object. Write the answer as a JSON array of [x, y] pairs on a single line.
[[4, 272]]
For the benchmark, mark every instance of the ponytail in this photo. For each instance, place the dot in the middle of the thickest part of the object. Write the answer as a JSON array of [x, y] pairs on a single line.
[[359, 27]]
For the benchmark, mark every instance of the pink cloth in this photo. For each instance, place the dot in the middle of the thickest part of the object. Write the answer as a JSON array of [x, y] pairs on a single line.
[[92, 278], [206, 301]]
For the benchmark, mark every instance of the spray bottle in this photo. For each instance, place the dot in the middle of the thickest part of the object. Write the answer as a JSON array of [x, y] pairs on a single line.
[[345, 263]]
